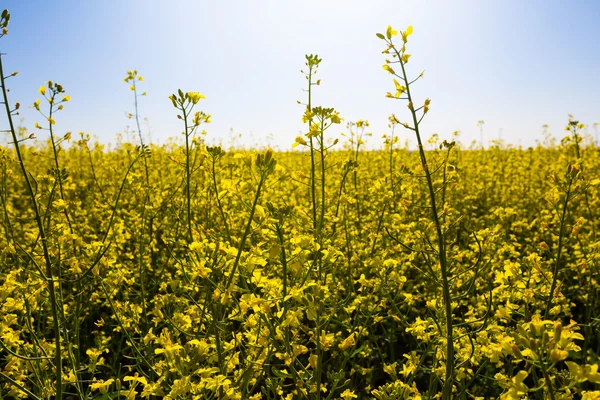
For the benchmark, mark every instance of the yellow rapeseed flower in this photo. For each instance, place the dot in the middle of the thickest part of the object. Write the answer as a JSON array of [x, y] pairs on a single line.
[[102, 385], [195, 97], [390, 32], [348, 342], [348, 394]]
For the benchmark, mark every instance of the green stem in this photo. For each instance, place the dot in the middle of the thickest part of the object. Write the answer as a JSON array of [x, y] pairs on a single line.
[[322, 154], [246, 232], [219, 205], [312, 154], [57, 166], [283, 258], [547, 379], [447, 388], [137, 122], [125, 331], [187, 175], [355, 181], [49, 273], [18, 386], [559, 250], [142, 250]]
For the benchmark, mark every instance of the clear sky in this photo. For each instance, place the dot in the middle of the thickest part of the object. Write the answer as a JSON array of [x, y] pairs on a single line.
[[514, 64]]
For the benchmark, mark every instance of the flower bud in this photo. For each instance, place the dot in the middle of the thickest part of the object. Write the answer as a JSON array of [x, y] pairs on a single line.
[[517, 352]]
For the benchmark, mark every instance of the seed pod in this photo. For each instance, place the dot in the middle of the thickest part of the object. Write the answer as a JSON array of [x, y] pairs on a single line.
[[557, 331]]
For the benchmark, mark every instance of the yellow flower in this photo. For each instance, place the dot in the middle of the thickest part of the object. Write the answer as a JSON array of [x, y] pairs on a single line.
[[71, 377], [399, 89], [169, 349], [136, 378], [194, 97], [390, 369], [348, 394], [102, 385], [42, 90], [406, 34], [558, 355], [335, 118], [299, 141], [348, 342], [390, 32]]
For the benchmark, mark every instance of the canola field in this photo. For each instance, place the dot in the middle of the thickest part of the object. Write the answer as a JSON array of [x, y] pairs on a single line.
[[187, 271]]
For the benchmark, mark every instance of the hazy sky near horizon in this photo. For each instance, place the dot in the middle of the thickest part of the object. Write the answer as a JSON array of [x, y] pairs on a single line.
[[514, 64]]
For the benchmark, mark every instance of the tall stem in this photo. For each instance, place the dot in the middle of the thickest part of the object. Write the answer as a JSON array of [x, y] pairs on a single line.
[[559, 250], [139, 129], [246, 231], [188, 196], [57, 166], [142, 249], [44, 240], [322, 154], [312, 154], [447, 389], [219, 205]]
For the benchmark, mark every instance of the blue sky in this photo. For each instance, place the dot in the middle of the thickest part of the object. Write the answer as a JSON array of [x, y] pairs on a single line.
[[514, 64]]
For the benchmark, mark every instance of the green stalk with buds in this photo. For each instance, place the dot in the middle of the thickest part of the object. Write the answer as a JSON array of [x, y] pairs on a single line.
[[403, 86]]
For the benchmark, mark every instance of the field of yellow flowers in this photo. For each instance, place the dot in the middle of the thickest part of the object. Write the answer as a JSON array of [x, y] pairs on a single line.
[[186, 271]]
